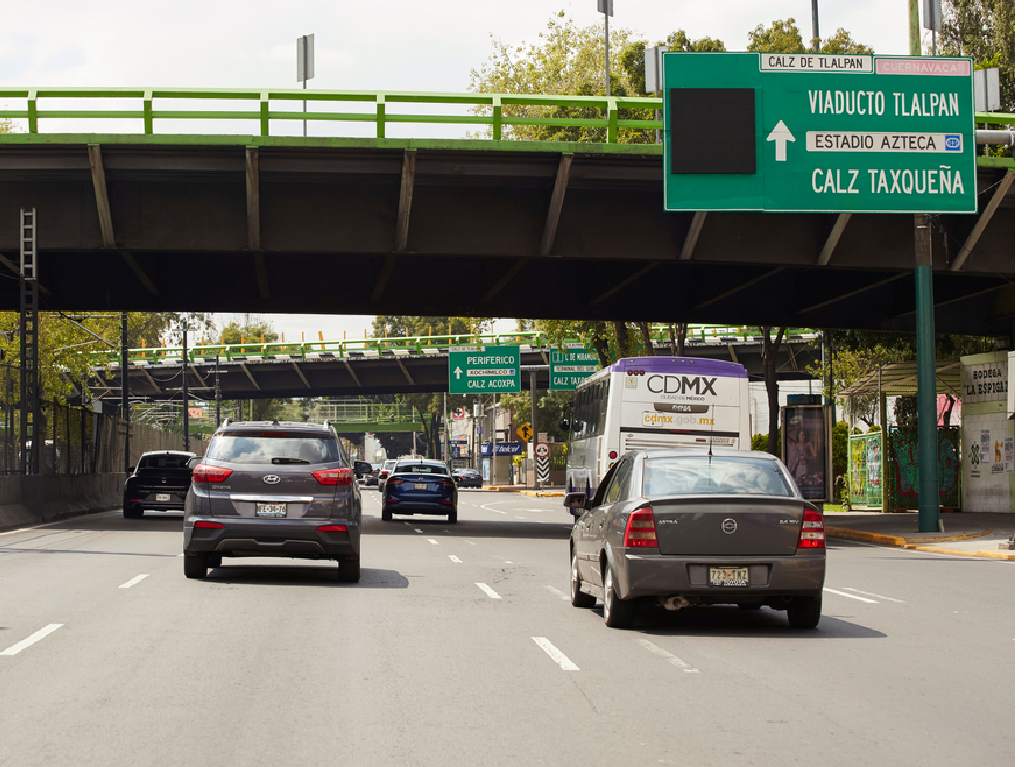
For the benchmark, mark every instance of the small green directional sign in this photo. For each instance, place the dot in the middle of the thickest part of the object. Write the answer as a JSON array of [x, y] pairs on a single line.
[[570, 366], [483, 369], [819, 132]]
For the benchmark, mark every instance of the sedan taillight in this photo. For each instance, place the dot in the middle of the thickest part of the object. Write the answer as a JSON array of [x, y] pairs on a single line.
[[333, 476], [205, 474], [812, 529], [640, 531]]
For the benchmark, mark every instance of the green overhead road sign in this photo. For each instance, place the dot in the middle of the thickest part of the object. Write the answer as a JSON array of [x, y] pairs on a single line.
[[819, 132], [570, 366], [483, 369]]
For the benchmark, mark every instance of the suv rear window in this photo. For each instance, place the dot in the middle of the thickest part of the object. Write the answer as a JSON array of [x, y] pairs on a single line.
[[420, 468], [273, 447], [163, 461], [693, 475]]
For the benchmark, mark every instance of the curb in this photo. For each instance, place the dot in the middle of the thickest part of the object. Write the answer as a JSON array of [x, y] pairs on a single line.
[[542, 493], [898, 541], [501, 489]]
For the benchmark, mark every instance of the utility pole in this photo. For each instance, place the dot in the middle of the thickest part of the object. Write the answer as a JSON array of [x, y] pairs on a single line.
[[184, 380], [605, 7], [815, 37], [216, 390], [126, 413], [304, 68], [927, 429], [533, 423]]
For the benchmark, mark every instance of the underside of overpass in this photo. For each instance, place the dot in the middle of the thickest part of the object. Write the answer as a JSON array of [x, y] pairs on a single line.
[[353, 226], [334, 374]]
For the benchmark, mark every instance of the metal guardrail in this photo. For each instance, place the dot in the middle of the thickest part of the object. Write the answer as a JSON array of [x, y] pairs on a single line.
[[397, 346], [263, 107]]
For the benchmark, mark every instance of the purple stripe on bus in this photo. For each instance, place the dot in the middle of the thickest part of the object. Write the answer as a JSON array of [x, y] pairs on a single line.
[[689, 365]]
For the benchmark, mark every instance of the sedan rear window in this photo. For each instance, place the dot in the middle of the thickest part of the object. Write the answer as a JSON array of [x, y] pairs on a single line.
[[420, 468], [273, 447], [701, 475]]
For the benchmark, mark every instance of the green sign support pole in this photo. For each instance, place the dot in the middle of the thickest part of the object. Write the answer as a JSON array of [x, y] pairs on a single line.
[[927, 421]]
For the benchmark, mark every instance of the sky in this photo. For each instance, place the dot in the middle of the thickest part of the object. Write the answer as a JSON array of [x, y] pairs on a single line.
[[428, 46]]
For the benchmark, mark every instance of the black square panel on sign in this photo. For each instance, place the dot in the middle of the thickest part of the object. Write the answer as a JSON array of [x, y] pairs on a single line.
[[713, 130]]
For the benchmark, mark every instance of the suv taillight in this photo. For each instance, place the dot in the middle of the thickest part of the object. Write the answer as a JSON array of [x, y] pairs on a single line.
[[812, 529], [204, 474], [333, 476], [640, 532]]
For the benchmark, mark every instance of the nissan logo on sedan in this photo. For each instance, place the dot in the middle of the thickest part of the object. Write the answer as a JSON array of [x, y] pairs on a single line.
[[729, 526], [272, 479]]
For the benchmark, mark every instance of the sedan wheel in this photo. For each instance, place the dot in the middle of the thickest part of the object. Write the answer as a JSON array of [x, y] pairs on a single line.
[[578, 598], [618, 613]]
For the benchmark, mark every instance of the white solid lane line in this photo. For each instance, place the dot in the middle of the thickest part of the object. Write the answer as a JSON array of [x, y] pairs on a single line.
[[851, 596], [455, 559], [466, 540], [30, 640], [488, 591], [663, 653], [557, 593], [555, 654], [433, 542], [133, 581], [876, 596]]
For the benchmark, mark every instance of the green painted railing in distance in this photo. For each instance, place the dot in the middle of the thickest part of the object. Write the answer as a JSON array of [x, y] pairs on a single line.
[[149, 106], [397, 346]]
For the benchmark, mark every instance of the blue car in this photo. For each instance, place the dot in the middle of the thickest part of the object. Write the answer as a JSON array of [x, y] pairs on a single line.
[[420, 486]]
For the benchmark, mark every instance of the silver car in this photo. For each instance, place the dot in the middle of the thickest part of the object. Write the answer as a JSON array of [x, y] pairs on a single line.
[[682, 527], [274, 489]]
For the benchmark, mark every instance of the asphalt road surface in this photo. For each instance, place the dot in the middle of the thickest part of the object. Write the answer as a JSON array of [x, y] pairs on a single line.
[[459, 647]]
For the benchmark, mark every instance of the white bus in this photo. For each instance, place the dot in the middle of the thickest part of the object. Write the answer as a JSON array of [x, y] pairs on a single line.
[[651, 402]]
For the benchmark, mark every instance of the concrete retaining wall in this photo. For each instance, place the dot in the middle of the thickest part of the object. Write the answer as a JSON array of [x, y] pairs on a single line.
[[31, 500]]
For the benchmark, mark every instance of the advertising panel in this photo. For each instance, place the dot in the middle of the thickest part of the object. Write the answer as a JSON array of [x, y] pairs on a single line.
[[864, 460], [805, 446]]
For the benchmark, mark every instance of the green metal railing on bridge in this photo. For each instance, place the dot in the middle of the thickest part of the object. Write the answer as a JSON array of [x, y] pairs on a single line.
[[262, 109], [408, 345]]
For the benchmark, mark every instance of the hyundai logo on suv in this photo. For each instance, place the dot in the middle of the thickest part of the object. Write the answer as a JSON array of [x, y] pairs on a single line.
[[272, 479]]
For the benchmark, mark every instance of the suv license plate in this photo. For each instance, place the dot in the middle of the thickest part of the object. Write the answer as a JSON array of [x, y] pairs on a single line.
[[275, 510], [163, 496], [729, 576]]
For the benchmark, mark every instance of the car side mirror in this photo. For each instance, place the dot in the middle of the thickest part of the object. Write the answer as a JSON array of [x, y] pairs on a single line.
[[193, 462], [361, 468], [576, 502]]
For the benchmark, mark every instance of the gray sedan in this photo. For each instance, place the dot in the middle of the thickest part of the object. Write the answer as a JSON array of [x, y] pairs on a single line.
[[681, 527]]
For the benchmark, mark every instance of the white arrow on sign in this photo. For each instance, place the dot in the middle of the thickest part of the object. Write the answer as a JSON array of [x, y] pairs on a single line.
[[458, 373], [781, 136]]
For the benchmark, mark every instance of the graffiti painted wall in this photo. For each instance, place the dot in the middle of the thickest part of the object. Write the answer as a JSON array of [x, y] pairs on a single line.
[[903, 468]]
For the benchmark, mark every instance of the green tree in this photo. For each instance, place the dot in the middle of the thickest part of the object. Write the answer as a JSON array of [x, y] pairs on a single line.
[[783, 36], [983, 29], [255, 331]]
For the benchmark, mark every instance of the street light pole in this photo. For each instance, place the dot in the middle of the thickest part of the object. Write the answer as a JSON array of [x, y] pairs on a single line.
[[605, 7], [815, 38], [184, 380]]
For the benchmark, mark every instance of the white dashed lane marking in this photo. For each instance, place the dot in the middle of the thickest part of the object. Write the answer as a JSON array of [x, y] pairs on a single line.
[[557, 593], [488, 591], [837, 592], [455, 559], [433, 542], [129, 583], [876, 596], [31, 639], [672, 659], [555, 654]]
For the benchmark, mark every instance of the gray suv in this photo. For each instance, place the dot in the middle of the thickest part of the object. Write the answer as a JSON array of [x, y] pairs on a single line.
[[273, 489]]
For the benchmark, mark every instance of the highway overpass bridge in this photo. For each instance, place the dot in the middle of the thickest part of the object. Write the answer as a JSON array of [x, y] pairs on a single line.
[[158, 218], [382, 365]]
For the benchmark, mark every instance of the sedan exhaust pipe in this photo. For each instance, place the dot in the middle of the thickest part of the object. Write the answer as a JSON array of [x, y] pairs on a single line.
[[674, 603]]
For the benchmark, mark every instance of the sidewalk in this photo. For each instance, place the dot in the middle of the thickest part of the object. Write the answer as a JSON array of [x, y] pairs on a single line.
[[974, 534]]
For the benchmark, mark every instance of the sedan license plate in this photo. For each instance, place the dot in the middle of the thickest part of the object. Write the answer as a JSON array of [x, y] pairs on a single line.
[[420, 486], [729, 576], [163, 496], [274, 510]]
